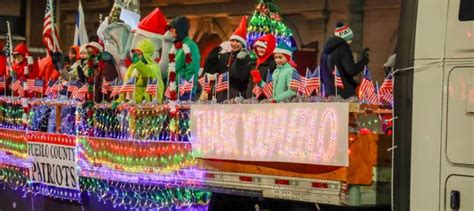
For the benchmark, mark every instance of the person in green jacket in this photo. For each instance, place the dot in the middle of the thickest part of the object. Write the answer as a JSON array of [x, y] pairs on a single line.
[[187, 58], [144, 68], [282, 75]]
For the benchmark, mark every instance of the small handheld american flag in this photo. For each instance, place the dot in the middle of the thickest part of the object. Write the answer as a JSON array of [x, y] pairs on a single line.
[[338, 79], [129, 86], [268, 88], [2, 83], [222, 82], [107, 86], [313, 83], [367, 90], [80, 94], [152, 86], [204, 82], [116, 88], [37, 86], [186, 86], [295, 82], [386, 89]]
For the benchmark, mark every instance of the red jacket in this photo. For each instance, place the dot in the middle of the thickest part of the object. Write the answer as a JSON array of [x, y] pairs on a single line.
[[19, 68]]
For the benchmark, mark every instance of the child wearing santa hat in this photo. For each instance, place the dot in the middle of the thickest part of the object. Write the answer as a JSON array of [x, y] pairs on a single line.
[[282, 75]]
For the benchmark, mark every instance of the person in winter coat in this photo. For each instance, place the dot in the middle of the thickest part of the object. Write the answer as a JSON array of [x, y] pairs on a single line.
[[265, 62], [103, 68], [76, 72], [74, 54], [337, 53], [143, 68], [185, 59], [24, 67], [235, 62], [281, 76]]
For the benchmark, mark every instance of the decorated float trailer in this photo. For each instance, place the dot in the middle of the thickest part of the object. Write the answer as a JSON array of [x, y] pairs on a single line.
[[328, 153], [319, 152]]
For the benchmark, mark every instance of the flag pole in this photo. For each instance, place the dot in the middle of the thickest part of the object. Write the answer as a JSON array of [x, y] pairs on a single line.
[[191, 91], [377, 92], [335, 79], [103, 95], [134, 92], [228, 86]]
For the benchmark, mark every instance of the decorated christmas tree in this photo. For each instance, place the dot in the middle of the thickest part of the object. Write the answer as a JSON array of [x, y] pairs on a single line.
[[267, 19]]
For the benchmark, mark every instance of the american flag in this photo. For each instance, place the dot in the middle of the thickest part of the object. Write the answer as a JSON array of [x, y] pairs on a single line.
[[152, 86], [386, 89], [313, 83], [222, 82], [107, 86], [50, 35], [80, 94], [268, 88], [18, 87], [53, 88], [116, 89], [73, 86], [186, 86], [295, 83], [204, 82], [338, 79], [367, 89], [129, 86], [168, 92], [35, 85], [2, 83], [257, 91]]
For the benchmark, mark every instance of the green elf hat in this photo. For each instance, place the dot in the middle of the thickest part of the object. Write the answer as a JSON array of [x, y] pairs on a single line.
[[283, 48]]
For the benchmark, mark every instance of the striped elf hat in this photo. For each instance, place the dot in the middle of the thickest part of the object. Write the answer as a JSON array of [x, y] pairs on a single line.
[[343, 31]]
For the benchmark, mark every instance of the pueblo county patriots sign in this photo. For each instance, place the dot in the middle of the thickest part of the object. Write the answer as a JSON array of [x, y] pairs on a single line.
[[308, 133], [53, 171]]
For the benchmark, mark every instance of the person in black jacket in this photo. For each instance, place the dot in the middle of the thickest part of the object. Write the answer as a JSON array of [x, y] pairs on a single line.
[[235, 62], [337, 53]]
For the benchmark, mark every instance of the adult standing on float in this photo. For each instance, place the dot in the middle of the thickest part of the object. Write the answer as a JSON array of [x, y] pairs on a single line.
[[184, 59], [337, 53], [235, 62]]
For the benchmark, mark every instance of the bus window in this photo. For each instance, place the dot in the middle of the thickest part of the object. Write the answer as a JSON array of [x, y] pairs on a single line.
[[466, 10]]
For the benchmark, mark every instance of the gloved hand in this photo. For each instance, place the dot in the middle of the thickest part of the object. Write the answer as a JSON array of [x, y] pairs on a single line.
[[365, 53], [242, 54], [135, 58], [144, 60], [256, 77]]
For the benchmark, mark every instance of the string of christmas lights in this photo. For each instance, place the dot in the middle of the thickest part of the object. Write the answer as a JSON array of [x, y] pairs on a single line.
[[133, 195], [136, 156]]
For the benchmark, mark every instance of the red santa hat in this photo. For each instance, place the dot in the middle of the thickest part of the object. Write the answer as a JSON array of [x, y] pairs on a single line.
[[21, 49], [96, 45], [153, 25], [240, 33]]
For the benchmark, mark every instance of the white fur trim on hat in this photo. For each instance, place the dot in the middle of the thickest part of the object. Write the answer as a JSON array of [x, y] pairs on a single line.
[[96, 45], [261, 43], [147, 33], [239, 38], [283, 51]]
